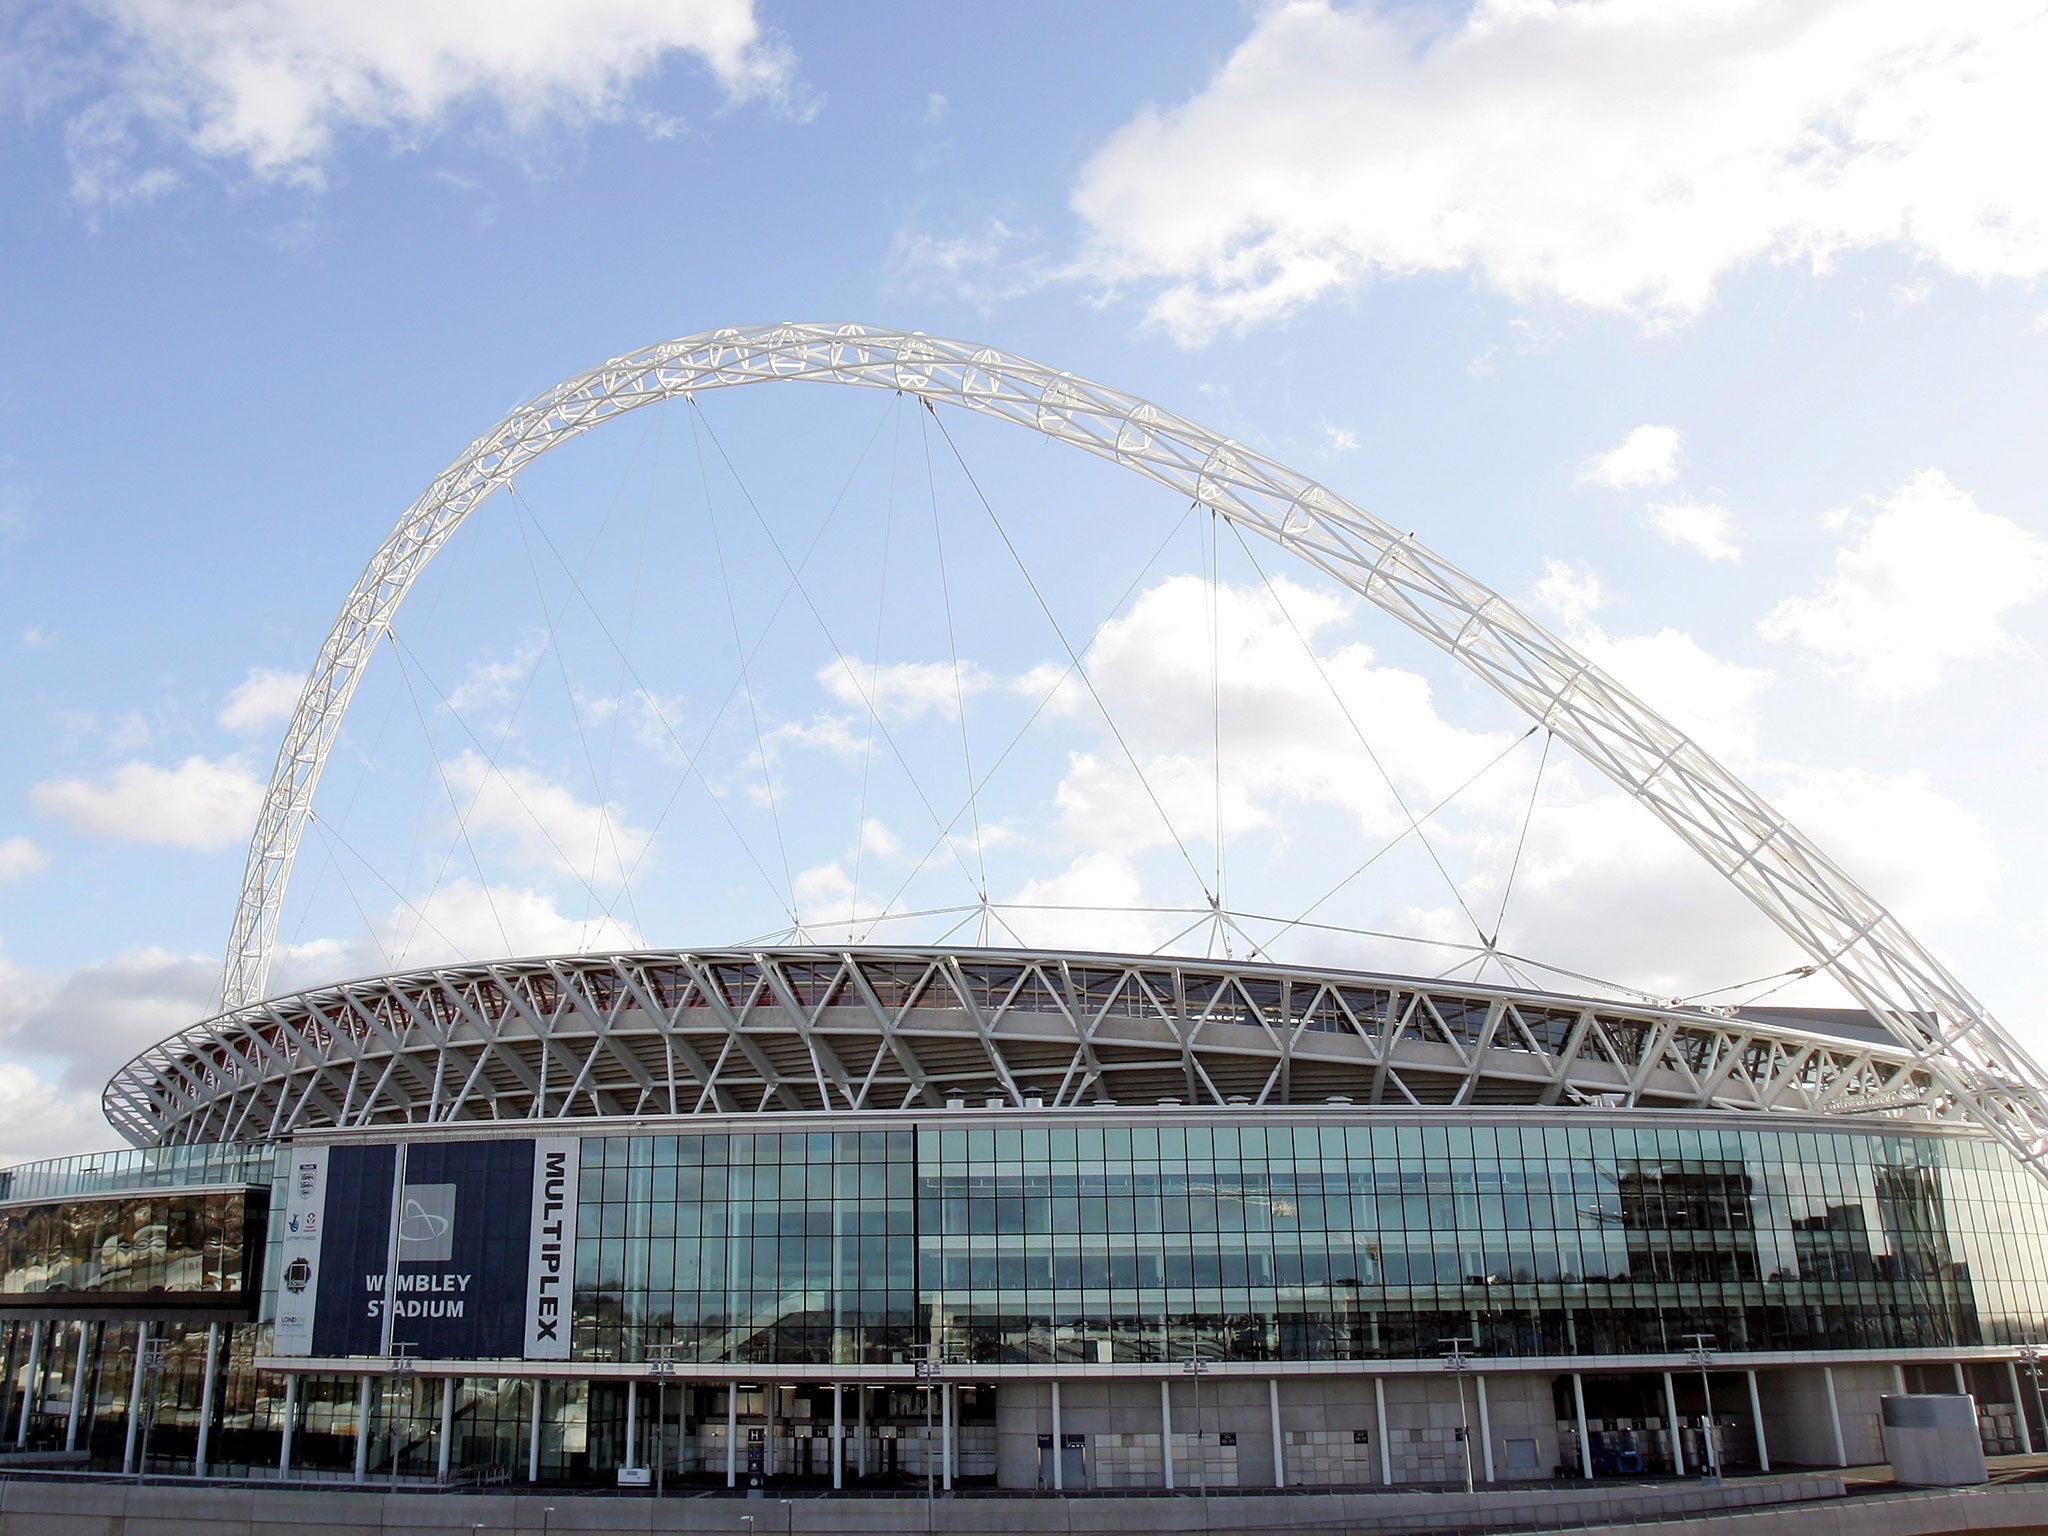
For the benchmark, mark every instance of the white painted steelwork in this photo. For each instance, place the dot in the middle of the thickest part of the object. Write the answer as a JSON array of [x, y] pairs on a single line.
[[1978, 1069], [816, 1028]]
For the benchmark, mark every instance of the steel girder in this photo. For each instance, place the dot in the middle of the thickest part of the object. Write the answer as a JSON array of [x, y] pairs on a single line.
[[813, 1029], [1844, 930]]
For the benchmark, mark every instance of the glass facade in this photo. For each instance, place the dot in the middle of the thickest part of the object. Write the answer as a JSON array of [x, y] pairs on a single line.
[[1103, 1243], [769, 1247], [132, 1245]]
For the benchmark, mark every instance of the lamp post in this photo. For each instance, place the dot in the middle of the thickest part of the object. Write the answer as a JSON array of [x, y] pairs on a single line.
[[403, 1368], [2030, 1357], [1458, 1362], [1701, 1352], [1196, 1366], [661, 1365], [929, 1363], [152, 1379]]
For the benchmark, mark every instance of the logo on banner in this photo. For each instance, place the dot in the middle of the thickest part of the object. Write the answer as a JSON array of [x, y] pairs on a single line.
[[297, 1276], [426, 1224]]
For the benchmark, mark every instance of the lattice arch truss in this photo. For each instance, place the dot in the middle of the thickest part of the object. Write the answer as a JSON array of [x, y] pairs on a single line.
[[808, 1029], [1974, 1065]]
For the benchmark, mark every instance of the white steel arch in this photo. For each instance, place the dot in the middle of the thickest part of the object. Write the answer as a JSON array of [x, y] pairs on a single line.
[[1981, 1071]]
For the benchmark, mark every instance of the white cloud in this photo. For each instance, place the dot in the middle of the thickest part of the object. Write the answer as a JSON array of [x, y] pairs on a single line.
[[1700, 526], [1341, 439], [37, 638], [271, 84], [981, 266], [201, 803], [264, 698], [1711, 700], [546, 826], [1622, 155], [1287, 740], [498, 682], [20, 858], [904, 690], [39, 1118], [1647, 456], [1571, 592], [1099, 891], [1926, 579]]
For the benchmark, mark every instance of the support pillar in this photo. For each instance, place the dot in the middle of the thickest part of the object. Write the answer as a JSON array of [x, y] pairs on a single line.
[[208, 1376], [1585, 1440], [135, 1399], [1059, 1445], [362, 1428], [77, 1388], [632, 1421], [1962, 1382], [1827, 1376], [2019, 1407], [768, 1393], [1279, 1445], [1485, 1429], [1898, 1378], [838, 1436], [537, 1385], [1166, 1431], [860, 1434], [13, 1331], [946, 1437], [732, 1434], [28, 1389], [291, 1424], [1671, 1409], [1756, 1414], [442, 1453], [1379, 1410]]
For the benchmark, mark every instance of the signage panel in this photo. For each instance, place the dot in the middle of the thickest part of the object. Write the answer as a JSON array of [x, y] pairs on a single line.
[[550, 1246], [478, 1264], [305, 1199]]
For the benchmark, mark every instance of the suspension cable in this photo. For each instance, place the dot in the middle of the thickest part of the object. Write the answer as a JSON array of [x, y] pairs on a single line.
[[1074, 657]]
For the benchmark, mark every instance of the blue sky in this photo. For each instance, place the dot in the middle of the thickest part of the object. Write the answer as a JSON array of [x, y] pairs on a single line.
[[1714, 333]]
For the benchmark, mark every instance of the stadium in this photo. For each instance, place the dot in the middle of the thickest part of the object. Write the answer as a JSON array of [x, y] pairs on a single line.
[[833, 1216]]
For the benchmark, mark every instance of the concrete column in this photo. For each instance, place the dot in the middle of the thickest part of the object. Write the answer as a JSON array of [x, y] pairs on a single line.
[[860, 1434], [135, 1399], [768, 1395], [1827, 1376], [1379, 1424], [28, 1390], [1898, 1378], [77, 1388], [1585, 1439], [441, 1454], [1059, 1459], [1962, 1383], [12, 1331], [838, 1436], [732, 1434], [1756, 1413], [536, 1385], [362, 1427], [1166, 1431], [632, 1421], [2019, 1404], [1485, 1429], [946, 1437], [207, 1378], [1671, 1423], [1279, 1445], [291, 1424]]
